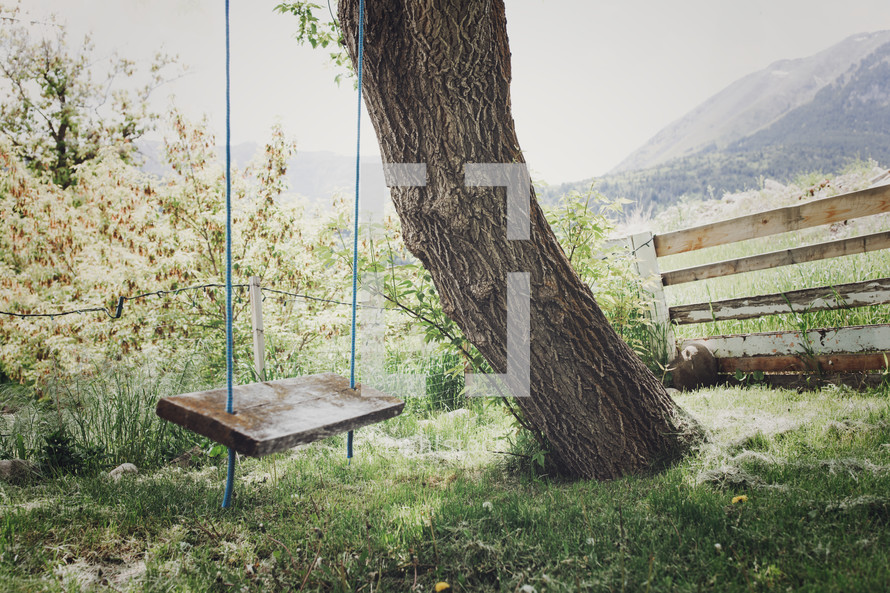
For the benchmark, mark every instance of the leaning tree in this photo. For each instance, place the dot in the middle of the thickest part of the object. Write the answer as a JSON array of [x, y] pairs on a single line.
[[436, 81]]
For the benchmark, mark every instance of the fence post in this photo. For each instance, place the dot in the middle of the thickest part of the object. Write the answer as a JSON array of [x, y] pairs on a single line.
[[646, 264], [256, 320]]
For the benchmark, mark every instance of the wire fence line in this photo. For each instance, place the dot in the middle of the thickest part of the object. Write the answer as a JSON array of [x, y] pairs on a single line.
[[118, 311], [303, 296], [439, 381], [620, 246]]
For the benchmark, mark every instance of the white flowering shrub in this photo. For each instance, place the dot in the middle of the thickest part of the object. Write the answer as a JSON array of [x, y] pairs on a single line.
[[120, 232]]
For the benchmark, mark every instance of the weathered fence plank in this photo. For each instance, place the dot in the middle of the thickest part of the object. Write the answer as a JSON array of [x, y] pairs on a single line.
[[256, 321], [833, 363], [646, 264], [853, 339], [874, 200], [775, 259], [824, 298]]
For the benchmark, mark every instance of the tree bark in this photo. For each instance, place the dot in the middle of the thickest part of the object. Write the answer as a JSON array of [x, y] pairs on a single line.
[[436, 82]]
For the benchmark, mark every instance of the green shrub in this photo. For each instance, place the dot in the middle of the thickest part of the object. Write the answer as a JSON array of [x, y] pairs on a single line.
[[102, 419], [582, 223], [62, 454]]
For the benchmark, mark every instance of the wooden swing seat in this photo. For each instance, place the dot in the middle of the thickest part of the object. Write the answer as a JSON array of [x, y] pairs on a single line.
[[277, 415]]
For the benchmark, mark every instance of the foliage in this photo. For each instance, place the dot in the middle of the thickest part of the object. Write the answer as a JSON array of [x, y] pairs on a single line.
[[62, 454], [582, 226], [103, 418], [582, 223], [404, 285], [318, 32], [56, 113], [118, 231]]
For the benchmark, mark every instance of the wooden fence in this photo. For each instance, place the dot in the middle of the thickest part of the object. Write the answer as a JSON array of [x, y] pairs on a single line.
[[782, 355]]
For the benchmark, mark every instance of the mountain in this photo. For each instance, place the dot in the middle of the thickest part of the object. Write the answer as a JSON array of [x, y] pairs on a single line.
[[754, 102], [315, 175], [797, 116]]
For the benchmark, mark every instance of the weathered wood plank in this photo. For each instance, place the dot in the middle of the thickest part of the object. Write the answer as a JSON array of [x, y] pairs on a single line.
[[775, 259], [860, 338], [277, 415], [646, 264], [824, 298], [874, 200], [256, 322], [828, 363]]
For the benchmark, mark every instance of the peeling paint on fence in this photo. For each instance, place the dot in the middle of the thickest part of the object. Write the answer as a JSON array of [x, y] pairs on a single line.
[[853, 339]]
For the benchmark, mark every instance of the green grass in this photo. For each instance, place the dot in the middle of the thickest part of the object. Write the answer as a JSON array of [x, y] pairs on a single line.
[[426, 499], [99, 419]]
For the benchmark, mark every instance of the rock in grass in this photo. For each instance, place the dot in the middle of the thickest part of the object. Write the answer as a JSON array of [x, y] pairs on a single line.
[[125, 468], [730, 478], [875, 506], [847, 429], [749, 456], [16, 471], [694, 367], [189, 458]]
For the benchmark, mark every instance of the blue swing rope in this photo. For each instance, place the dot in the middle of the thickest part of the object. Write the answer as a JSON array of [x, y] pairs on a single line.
[[230, 472], [358, 149]]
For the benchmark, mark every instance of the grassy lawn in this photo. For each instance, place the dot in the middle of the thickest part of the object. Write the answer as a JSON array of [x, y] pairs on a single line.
[[431, 499]]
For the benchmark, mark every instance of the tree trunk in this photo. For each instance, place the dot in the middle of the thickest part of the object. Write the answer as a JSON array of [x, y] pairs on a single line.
[[437, 87]]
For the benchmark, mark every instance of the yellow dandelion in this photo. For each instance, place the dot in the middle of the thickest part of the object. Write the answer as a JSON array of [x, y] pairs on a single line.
[[738, 499], [442, 586]]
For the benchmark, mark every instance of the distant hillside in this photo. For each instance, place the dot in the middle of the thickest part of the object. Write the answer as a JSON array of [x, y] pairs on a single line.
[[315, 175], [754, 102], [849, 117], [845, 119]]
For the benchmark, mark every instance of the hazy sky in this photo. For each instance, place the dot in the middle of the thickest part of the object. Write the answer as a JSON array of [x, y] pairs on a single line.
[[592, 80]]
